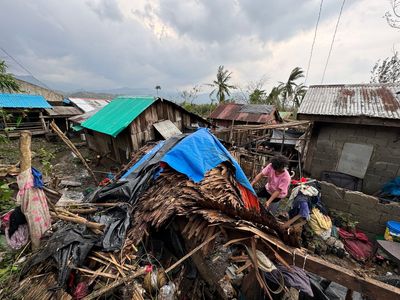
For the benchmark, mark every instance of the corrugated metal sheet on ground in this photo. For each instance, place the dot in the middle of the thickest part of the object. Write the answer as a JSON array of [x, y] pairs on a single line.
[[371, 100], [167, 129], [118, 114], [63, 111], [255, 113], [23, 101], [89, 104]]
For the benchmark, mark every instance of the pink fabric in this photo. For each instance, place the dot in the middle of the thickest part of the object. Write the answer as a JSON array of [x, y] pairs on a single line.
[[20, 237], [34, 206], [276, 182]]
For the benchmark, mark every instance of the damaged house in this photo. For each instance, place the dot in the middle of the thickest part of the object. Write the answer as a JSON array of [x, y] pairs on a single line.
[[127, 123], [355, 141], [229, 114], [22, 112]]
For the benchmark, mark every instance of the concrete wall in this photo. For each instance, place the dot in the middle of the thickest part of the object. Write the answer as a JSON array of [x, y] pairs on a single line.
[[327, 144], [366, 209]]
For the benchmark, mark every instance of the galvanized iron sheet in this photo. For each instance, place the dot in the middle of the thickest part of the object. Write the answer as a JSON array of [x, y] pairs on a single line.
[[371, 100]]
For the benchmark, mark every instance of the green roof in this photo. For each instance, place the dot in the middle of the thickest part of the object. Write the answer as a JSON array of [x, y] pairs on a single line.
[[118, 114]]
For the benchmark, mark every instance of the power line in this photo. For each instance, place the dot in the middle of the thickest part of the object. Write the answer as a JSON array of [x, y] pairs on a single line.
[[313, 43], [333, 40], [25, 69]]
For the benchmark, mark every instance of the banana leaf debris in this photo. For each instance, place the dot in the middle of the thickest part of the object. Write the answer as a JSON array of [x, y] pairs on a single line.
[[183, 222]]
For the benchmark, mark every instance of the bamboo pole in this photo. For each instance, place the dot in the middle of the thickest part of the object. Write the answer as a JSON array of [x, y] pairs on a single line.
[[68, 142], [97, 293]]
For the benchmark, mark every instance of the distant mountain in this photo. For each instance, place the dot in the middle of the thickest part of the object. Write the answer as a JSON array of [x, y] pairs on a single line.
[[94, 95]]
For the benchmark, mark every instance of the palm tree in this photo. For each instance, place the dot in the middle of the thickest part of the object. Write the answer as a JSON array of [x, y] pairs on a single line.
[[273, 97], [221, 85], [299, 93], [7, 81], [288, 87], [158, 87]]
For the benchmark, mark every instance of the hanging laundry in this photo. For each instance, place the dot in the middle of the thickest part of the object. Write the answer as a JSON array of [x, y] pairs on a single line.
[[34, 206]]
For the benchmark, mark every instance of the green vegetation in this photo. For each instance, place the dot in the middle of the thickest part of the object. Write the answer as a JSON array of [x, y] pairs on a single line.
[[203, 110], [7, 80], [6, 201], [46, 157]]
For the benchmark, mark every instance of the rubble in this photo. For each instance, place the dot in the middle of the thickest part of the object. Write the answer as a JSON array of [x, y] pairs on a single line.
[[174, 224]]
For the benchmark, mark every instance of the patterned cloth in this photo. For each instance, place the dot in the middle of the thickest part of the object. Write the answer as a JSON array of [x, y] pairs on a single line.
[[34, 206], [19, 238]]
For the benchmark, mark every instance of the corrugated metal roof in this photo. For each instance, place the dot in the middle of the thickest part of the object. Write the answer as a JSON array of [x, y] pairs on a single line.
[[371, 100], [118, 114], [23, 101], [83, 117], [254, 113], [88, 104], [63, 111]]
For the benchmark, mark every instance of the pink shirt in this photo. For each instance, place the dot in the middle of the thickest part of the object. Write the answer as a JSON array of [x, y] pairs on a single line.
[[276, 182]]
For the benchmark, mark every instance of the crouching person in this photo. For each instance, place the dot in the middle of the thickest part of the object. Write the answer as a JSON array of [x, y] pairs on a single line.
[[278, 181]]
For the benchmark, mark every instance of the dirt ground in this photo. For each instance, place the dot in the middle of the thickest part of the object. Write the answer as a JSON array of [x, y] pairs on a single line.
[[54, 159]]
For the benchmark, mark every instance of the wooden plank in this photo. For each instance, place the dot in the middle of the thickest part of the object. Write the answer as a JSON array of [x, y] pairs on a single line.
[[369, 287], [372, 288]]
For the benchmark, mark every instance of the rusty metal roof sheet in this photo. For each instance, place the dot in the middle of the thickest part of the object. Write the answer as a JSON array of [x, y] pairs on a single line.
[[253, 113], [88, 104], [63, 111], [370, 100]]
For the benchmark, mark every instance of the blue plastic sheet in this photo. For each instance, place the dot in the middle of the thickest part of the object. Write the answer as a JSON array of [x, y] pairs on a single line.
[[143, 159], [392, 187], [200, 152]]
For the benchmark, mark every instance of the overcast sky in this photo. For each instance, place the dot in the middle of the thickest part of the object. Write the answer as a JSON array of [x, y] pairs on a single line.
[[105, 44]]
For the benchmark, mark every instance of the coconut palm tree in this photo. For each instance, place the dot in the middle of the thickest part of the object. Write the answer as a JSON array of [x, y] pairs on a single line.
[[158, 88], [299, 93], [7, 81], [288, 87], [273, 97], [221, 86]]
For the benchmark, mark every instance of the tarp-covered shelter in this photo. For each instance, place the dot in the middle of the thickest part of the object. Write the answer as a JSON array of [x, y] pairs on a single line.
[[126, 124]]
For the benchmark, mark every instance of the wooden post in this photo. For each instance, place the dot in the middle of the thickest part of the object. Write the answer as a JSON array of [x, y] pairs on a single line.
[[25, 150], [231, 133], [43, 122]]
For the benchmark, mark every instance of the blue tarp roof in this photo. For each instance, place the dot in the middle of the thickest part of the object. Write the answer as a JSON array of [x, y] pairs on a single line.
[[197, 154], [23, 101]]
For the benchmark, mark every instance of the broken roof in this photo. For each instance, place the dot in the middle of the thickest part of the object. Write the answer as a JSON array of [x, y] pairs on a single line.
[[23, 101], [354, 100], [118, 114], [66, 111], [79, 119], [88, 104], [254, 113]]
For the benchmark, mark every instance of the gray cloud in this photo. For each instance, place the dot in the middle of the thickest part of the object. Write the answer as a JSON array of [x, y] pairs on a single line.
[[98, 45], [107, 9]]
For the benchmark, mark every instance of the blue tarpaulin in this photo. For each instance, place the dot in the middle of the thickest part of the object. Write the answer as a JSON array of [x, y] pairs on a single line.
[[195, 155], [144, 158], [392, 187], [200, 152]]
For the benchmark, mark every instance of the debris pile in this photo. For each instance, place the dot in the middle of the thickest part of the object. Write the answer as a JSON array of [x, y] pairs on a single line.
[[183, 222]]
